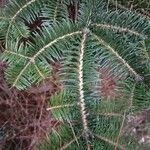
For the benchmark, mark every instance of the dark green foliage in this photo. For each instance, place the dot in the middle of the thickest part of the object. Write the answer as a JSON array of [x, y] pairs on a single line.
[[104, 68]]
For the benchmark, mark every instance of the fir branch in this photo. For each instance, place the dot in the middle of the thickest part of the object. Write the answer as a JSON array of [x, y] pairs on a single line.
[[55, 11], [21, 9], [70, 142], [80, 78], [123, 61], [39, 72], [17, 54], [107, 114], [20, 74], [5, 18], [109, 141], [76, 138], [86, 56], [32, 60], [118, 29], [62, 106], [53, 42], [120, 132], [12, 19]]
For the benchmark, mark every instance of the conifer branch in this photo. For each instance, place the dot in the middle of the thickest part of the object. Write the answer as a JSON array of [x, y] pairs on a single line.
[[20, 74], [17, 54], [76, 138], [114, 52], [118, 29], [107, 114], [55, 11], [87, 60], [70, 142], [55, 41], [42, 50], [5, 18], [12, 19], [39, 72], [21, 9], [108, 141], [120, 132], [81, 92], [62, 106]]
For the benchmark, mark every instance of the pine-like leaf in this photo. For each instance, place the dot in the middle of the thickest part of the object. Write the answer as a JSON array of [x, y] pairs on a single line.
[[104, 59]]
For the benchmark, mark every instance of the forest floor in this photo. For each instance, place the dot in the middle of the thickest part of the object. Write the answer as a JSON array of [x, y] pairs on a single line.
[[24, 118]]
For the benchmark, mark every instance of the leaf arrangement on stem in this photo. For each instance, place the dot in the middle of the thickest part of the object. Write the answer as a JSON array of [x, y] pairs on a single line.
[[104, 63]]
